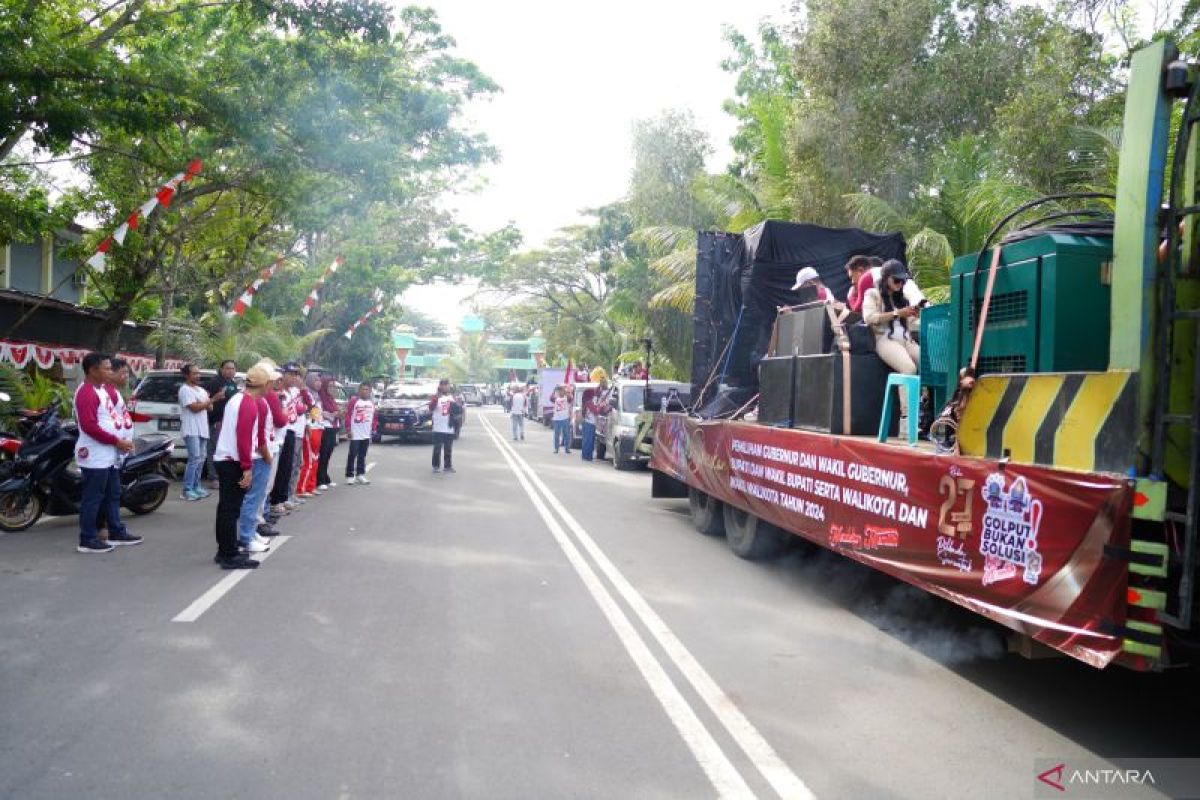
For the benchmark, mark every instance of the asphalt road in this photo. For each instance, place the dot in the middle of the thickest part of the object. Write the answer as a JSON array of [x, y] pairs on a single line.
[[532, 626]]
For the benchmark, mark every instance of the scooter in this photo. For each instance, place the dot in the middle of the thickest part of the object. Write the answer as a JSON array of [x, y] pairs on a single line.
[[44, 479]]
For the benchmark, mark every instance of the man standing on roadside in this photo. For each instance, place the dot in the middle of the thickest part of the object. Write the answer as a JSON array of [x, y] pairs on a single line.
[[294, 409], [441, 406], [270, 419], [516, 412], [220, 389], [97, 452], [561, 419], [118, 379], [236, 444], [593, 407], [360, 427]]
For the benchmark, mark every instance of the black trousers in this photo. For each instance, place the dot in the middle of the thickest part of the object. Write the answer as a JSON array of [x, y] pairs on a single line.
[[328, 442], [356, 459], [442, 441], [283, 477], [229, 507]]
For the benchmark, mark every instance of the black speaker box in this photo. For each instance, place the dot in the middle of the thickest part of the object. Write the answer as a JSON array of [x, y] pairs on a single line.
[[818, 393], [804, 332], [776, 383]]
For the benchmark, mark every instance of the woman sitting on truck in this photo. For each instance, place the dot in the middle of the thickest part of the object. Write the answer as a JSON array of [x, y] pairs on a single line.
[[887, 310]]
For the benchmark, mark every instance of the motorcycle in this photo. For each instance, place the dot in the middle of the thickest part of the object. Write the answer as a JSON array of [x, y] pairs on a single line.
[[42, 477]]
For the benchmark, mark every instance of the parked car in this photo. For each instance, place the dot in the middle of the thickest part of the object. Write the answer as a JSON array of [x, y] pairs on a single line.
[[472, 394], [616, 433], [404, 411], [154, 405]]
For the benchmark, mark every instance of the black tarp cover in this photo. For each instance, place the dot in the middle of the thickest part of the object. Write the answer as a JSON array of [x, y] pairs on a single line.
[[752, 273]]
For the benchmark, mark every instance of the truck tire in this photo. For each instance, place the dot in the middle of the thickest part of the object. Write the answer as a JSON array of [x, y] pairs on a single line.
[[751, 538], [708, 513]]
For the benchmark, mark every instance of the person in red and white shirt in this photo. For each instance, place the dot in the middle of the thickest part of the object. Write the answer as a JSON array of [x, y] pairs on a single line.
[[97, 452], [118, 379], [240, 437], [444, 408], [361, 426]]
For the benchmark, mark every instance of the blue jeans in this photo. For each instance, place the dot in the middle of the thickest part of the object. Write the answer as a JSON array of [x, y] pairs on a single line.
[[260, 479], [197, 450], [518, 426], [562, 434], [589, 441], [101, 492]]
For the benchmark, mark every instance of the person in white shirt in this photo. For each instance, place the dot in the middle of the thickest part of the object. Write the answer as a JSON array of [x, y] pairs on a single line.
[[194, 405], [442, 407], [361, 426], [98, 449], [516, 411], [562, 419]]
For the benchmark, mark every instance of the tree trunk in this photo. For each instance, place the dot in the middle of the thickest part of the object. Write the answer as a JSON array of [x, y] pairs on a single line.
[[109, 336]]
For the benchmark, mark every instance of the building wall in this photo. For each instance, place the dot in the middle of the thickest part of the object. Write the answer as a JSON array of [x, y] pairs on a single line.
[[25, 267], [63, 269]]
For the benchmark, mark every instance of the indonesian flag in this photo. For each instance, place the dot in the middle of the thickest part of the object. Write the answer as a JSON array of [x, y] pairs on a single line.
[[247, 298], [315, 294], [163, 197]]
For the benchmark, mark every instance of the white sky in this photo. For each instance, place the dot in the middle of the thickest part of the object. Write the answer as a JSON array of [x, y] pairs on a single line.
[[575, 76]]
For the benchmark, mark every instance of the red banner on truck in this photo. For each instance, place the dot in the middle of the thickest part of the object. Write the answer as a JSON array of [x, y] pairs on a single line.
[[1021, 545]]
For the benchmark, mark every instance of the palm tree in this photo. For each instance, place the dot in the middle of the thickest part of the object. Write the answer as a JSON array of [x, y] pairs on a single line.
[[475, 360], [252, 337]]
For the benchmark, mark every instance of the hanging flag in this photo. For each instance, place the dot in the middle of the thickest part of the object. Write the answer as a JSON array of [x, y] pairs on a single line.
[[247, 298], [315, 294], [377, 296], [99, 259]]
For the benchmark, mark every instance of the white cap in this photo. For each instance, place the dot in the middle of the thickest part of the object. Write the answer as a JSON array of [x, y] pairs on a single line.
[[806, 275]]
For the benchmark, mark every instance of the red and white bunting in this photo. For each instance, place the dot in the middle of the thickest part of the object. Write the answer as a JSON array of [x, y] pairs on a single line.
[[247, 298], [377, 296], [162, 197], [315, 294], [19, 354]]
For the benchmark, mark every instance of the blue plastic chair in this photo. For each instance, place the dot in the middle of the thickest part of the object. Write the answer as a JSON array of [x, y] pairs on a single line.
[[911, 386]]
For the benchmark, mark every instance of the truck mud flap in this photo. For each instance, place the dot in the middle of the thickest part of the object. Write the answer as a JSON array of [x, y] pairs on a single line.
[[663, 485]]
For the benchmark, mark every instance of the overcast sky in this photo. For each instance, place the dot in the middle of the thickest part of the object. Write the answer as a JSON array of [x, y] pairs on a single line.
[[575, 76]]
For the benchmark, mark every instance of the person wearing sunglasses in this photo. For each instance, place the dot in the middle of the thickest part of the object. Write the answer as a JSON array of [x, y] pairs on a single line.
[[894, 320]]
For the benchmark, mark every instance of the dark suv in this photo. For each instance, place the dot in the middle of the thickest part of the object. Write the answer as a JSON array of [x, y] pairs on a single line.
[[404, 411]]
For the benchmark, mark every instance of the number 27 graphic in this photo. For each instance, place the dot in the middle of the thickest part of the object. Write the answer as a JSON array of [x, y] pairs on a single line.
[[953, 522]]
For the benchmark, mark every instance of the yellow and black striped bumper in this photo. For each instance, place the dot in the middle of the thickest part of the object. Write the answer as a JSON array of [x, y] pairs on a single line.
[[1084, 421]]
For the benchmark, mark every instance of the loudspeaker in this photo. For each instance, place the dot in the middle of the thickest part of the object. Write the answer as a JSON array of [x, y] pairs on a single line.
[[776, 384], [804, 331], [819, 391]]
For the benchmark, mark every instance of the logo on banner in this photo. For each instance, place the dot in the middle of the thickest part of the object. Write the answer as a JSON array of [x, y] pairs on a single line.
[[1009, 540]]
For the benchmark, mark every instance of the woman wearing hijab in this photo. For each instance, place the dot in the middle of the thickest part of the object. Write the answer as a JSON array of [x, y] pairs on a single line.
[[330, 421], [887, 310]]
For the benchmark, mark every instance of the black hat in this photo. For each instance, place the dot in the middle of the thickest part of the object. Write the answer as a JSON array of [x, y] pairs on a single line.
[[293, 366], [894, 268]]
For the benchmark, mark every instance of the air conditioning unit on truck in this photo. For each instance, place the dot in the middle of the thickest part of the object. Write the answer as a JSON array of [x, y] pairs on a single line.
[[1060, 495]]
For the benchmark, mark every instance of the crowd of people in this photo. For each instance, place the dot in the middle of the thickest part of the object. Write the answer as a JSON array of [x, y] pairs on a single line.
[[266, 447], [593, 405]]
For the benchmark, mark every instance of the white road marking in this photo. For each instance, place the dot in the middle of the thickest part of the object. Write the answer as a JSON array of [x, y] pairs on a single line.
[[207, 600], [773, 768], [708, 754]]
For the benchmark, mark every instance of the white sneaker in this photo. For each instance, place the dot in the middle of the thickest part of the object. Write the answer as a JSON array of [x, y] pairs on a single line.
[[323, 487], [256, 547], [330, 485], [362, 480], [261, 539]]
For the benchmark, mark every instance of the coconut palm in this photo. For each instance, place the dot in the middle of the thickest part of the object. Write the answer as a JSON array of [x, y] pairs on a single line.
[[474, 361], [247, 339]]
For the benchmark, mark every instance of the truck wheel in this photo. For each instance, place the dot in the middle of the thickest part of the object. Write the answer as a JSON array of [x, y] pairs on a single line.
[[751, 538], [708, 513]]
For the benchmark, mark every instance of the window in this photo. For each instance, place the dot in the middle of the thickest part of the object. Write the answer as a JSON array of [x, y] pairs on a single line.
[[159, 388]]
